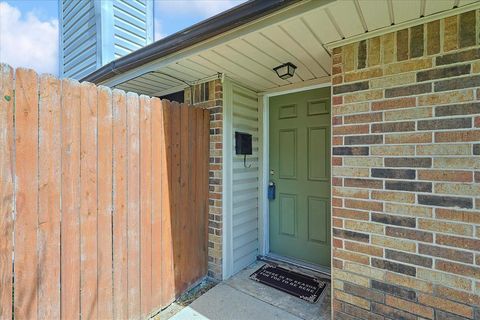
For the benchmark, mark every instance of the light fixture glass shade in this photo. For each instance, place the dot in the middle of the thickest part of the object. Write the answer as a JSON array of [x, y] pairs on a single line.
[[285, 71]]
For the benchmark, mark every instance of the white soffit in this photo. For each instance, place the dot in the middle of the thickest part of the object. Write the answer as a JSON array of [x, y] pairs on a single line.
[[302, 39], [390, 15]]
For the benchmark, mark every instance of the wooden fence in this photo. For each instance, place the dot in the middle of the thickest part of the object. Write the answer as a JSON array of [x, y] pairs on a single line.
[[103, 199]]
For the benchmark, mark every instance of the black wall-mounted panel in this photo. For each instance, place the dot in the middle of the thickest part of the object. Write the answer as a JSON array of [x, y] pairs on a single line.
[[243, 143]]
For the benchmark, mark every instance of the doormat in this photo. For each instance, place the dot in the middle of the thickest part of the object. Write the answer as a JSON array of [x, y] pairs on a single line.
[[299, 285]]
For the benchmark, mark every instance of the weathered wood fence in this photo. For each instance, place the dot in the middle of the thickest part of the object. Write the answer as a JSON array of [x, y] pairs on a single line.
[[103, 199]]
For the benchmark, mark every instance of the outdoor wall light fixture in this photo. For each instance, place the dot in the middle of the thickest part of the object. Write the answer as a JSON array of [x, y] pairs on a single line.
[[286, 70]]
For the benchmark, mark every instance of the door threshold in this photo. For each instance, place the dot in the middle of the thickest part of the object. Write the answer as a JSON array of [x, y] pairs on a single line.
[[297, 263]]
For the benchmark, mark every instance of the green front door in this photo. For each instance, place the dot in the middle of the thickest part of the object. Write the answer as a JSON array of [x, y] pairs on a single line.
[[300, 169]]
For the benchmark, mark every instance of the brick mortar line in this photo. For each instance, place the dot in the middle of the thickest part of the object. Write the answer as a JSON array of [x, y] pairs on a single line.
[[433, 243], [428, 206], [417, 95], [410, 241], [432, 118], [416, 302], [411, 229], [414, 83], [400, 168], [384, 67], [416, 106], [424, 57], [405, 275], [433, 143]]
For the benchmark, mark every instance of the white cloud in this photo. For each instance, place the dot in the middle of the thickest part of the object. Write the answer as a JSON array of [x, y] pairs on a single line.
[[28, 41], [205, 8]]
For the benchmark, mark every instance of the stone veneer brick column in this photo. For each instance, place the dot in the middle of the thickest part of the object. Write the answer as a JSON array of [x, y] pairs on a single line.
[[210, 95], [406, 173]]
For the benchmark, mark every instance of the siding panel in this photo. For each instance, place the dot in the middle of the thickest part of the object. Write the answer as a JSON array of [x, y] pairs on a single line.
[[245, 181], [78, 34], [94, 33], [130, 26]]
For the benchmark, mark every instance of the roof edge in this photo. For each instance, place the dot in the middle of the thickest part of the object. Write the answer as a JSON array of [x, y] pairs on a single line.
[[211, 27]]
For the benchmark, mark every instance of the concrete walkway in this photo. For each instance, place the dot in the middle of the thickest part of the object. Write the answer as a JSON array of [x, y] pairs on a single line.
[[241, 298]]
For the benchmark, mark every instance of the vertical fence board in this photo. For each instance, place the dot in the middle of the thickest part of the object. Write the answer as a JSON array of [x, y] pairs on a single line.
[[146, 205], [6, 190], [182, 233], [133, 206], [49, 198], [89, 197], [120, 261], [192, 140], [70, 230], [157, 167], [165, 145], [198, 185], [205, 189], [26, 218], [175, 193], [105, 303], [192, 214]]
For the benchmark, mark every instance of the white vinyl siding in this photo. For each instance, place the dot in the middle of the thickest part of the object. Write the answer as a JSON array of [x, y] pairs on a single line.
[[130, 26], [78, 38], [95, 32], [244, 180]]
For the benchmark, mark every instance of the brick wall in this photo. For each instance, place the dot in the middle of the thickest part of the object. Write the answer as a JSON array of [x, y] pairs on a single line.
[[406, 173], [210, 95]]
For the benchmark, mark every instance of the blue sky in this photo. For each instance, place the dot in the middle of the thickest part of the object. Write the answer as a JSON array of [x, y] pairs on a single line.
[[29, 28]]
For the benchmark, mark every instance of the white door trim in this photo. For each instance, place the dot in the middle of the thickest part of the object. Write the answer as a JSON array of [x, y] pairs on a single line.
[[227, 230], [264, 167]]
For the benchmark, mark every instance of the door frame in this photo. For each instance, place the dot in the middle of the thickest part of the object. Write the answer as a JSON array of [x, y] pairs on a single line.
[[264, 165]]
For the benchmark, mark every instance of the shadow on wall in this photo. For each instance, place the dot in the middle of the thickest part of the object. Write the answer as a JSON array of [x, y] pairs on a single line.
[[186, 131]]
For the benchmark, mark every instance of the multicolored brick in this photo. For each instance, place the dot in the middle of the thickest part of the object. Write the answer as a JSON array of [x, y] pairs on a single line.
[[415, 216]]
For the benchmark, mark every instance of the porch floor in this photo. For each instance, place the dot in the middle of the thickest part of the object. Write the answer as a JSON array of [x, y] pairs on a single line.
[[240, 298]]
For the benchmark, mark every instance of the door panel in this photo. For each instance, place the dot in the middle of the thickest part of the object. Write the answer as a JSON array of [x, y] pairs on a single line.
[[288, 214], [287, 142], [316, 107], [317, 219], [300, 168], [317, 162], [287, 112]]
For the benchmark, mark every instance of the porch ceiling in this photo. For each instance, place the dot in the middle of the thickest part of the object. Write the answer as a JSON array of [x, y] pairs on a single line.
[[301, 34]]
